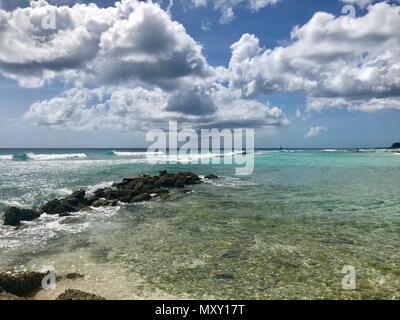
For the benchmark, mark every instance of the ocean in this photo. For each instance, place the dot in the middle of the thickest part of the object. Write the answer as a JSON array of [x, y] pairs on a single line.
[[288, 231]]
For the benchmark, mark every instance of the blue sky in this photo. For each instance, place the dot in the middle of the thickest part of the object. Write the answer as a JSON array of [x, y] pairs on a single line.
[[346, 118]]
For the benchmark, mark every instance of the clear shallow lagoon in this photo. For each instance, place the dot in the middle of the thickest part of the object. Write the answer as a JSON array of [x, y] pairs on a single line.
[[284, 232]]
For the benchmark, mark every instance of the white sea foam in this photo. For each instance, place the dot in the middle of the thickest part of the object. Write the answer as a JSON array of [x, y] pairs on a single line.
[[6, 157], [188, 158], [47, 157], [135, 154], [38, 232], [100, 185]]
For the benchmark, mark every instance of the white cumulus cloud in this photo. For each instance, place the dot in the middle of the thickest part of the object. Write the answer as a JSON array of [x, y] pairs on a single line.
[[315, 131], [330, 58]]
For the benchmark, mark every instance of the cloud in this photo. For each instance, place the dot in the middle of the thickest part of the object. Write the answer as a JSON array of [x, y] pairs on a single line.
[[315, 131], [365, 3], [329, 58], [227, 7], [125, 109], [132, 41]]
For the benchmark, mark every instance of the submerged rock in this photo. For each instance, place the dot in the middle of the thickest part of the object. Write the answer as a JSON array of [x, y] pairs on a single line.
[[72, 294], [71, 276], [13, 216], [22, 284]]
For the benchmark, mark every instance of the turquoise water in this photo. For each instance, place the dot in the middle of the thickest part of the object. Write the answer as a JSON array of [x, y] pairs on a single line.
[[284, 232]]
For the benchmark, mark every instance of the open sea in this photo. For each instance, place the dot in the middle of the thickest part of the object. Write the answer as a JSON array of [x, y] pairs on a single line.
[[284, 232]]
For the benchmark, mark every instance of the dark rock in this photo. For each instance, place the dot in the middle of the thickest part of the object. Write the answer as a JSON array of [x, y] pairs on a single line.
[[167, 181], [8, 296], [65, 214], [185, 190], [158, 191], [77, 200], [22, 284], [74, 276], [211, 177], [190, 178], [163, 173], [225, 276], [395, 145], [57, 207], [90, 198], [100, 193], [79, 195], [141, 197], [105, 203], [126, 199], [13, 216], [180, 182], [111, 193], [72, 294]]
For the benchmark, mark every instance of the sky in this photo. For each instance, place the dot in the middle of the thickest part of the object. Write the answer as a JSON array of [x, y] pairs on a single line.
[[302, 73]]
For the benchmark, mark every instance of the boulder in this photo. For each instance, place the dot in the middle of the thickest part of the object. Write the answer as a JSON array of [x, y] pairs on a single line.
[[125, 199], [73, 276], [211, 177], [13, 216], [395, 145], [142, 197], [58, 207], [190, 178], [180, 182], [104, 203], [8, 296], [23, 284], [167, 181], [163, 173], [72, 294], [79, 195]]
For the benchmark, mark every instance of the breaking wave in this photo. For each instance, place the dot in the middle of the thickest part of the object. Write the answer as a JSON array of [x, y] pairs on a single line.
[[42, 157]]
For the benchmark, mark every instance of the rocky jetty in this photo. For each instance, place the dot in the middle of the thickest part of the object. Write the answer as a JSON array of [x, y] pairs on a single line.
[[395, 145], [72, 294], [130, 190]]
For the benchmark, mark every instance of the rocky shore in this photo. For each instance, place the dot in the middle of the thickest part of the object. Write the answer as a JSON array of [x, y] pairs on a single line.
[[24, 285], [130, 190]]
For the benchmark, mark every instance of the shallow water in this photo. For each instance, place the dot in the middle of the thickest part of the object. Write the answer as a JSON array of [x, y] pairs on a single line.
[[284, 232]]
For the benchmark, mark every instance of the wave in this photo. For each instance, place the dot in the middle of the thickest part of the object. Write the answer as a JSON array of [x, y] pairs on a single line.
[[188, 158], [6, 157], [133, 154], [42, 157]]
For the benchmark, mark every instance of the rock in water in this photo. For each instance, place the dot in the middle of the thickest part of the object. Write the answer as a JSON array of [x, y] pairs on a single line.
[[13, 216], [211, 177], [141, 197], [22, 284], [135, 189], [396, 145], [72, 294]]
